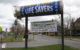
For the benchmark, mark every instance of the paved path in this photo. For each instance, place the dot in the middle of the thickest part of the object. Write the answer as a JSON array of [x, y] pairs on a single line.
[[41, 41], [0, 46]]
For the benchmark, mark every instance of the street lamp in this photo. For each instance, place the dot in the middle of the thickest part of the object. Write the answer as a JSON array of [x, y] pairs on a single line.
[[15, 22], [15, 31]]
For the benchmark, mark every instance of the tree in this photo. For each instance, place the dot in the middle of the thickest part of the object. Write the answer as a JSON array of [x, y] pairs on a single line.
[[16, 26], [17, 13], [0, 29], [72, 26]]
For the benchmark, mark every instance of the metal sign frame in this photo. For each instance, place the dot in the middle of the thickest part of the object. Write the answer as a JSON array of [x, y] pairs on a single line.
[[19, 15]]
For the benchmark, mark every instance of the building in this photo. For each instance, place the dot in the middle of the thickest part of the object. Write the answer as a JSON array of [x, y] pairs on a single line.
[[76, 27], [44, 27]]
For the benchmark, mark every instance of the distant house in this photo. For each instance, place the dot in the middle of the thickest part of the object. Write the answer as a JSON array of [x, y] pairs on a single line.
[[76, 27]]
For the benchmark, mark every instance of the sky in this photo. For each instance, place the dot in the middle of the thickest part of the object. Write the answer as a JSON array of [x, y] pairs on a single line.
[[7, 11]]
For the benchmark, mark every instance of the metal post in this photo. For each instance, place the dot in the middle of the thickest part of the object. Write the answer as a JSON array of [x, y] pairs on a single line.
[[62, 30], [26, 32]]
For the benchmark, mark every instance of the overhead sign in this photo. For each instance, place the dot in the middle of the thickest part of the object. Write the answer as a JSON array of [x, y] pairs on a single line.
[[40, 9]]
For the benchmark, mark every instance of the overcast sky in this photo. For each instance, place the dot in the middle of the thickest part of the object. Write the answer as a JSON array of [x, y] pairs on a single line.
[[7, 10]]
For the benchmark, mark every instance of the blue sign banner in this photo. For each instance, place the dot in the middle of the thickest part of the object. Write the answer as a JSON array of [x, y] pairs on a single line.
[[41, 9]]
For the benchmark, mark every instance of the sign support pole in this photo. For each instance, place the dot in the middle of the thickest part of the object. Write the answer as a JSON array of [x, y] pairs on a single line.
[[26, 32], [62, 30]]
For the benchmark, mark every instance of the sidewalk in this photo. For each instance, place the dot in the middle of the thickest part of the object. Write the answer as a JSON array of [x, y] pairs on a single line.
[[74, 39]]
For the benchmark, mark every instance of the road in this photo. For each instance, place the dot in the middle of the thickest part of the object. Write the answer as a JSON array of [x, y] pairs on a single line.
[[41, 40]]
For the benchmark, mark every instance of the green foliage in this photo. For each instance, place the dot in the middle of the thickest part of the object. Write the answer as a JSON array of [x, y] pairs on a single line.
[[11, 38], [0, 29]]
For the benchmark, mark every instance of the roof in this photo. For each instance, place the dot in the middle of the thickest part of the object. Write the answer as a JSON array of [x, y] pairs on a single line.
[[77, 21]]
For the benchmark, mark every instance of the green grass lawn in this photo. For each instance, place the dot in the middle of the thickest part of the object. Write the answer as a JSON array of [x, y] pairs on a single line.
[[75, 37], [49, 47], [69, 37]]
